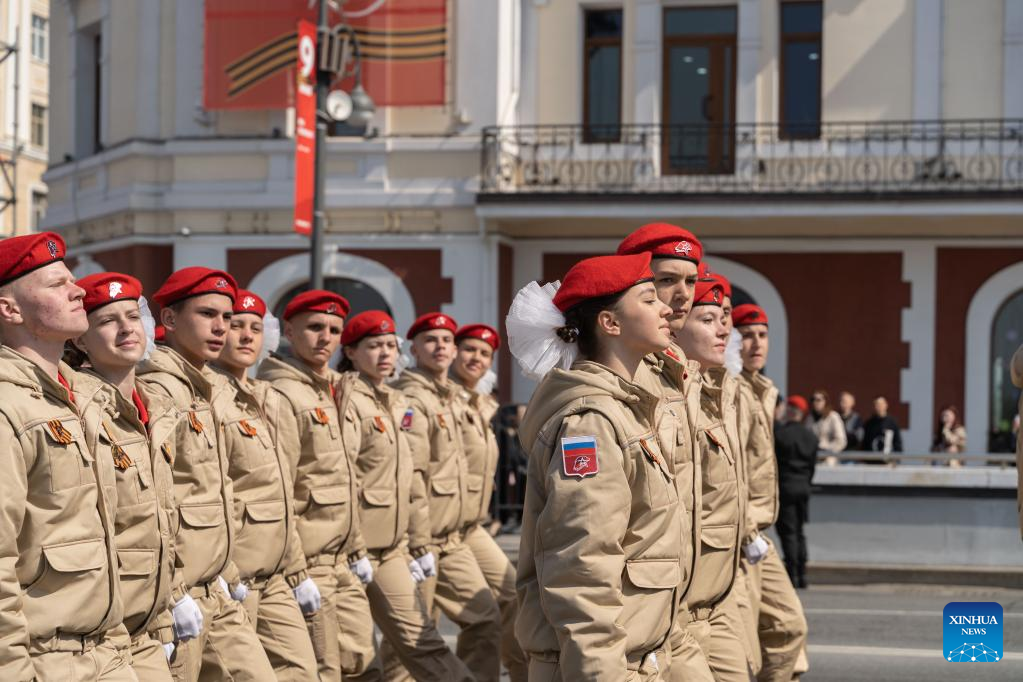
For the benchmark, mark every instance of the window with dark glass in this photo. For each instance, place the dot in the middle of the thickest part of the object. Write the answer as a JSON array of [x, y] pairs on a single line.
[[38, 125], [800, 81], [602, 77]]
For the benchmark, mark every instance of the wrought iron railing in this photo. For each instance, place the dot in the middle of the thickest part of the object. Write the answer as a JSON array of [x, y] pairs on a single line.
[[915, 158]]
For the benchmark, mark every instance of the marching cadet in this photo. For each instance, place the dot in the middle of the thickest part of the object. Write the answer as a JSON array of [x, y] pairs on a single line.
[[60, 601], [777, 612], [675, 256], [434, 435], [474, 355], [373, 413], [136, 430], [195, 308], [600, 561], [268, 551], [326, 486], [714, 617]]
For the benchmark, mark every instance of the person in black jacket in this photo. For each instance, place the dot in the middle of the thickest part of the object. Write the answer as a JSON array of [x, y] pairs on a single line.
[[796, 449], [881, 432]]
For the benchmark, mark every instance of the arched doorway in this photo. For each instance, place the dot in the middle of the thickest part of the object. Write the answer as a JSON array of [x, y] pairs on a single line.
[[1006, 337]]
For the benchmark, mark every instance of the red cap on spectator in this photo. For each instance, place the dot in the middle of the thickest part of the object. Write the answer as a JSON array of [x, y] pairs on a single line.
[[481, 332], [249, 303], [21, 255], [663, 240], [747, 314], [798, 402], [317, 301], [431, 321], [369, 323], [195, 281], [602, 276], [108, 287], [708, 292]]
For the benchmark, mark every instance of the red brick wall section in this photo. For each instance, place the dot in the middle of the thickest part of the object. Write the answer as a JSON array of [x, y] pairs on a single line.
[[151, 264], [419, 269], [505, 278], [960, 273], [845, 320]]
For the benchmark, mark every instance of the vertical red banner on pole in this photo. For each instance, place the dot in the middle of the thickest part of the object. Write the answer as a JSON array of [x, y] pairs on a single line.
[[305, 127]]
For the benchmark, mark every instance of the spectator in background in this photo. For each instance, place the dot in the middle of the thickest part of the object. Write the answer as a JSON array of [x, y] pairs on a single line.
[[950, 437], [851, 418], [827, 426], [796, 449], [881, 432], [510, 488]]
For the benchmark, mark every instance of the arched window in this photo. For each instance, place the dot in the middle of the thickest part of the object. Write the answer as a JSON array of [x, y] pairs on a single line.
[[360, 295], [1006, 337]]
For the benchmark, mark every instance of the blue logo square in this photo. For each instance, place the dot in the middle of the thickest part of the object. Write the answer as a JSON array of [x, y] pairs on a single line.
[[972, 632]]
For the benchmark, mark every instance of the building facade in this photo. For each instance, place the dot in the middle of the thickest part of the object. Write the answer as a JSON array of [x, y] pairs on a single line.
[[24, 113], [854, 166]]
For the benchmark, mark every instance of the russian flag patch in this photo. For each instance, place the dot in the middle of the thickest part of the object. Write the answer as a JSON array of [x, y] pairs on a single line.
[[579, 456], [406, 421]]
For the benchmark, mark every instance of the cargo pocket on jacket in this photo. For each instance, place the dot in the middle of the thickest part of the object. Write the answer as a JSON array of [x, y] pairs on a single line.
[[74, 570], [136, 562], [266, 511], [444, 486], [649, 588], [474, 484], [67, 455], [378, 497]]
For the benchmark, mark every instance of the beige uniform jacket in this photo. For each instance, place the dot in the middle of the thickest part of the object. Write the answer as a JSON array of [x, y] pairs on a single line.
[[326, 485], [202, 488], [57, 551], [377, 444], [435, 438], [480, 443], [267, 539], [599, 564], [757, 398], [146, 519], [723, 508], [678, 380]]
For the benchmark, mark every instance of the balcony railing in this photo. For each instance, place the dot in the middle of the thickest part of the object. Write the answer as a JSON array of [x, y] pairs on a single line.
[[912, 158]]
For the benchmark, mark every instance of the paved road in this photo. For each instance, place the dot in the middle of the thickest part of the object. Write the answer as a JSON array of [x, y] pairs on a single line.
[[874, 633]]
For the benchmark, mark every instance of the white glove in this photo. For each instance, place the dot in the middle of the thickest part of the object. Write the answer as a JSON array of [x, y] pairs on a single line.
[[417, 571], [363, 570], [307, 594], [168, 650], [240, 592], [188, 619], [757, 550], [429, 564]]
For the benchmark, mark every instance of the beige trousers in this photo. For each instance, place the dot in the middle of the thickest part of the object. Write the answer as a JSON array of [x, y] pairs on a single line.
[[719, 632], [70, 661], [226, 649], [342, 630], [408, 629], [500, 576], [148, 660], [781, 623], [281, 629]]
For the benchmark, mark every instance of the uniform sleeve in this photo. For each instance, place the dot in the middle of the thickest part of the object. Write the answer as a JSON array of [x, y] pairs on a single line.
[[418, 436], [579, 557], [746, 406], [289, 437], [276, 409], [14, 660], [1016, 368]]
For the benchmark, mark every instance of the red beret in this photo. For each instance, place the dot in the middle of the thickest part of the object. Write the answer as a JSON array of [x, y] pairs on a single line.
[[21, 255], [369, 323], [431, 321], [107, 287], [704, 273], [161, 334], [747, 314], [663, 241], [248, 302], [708, 292], [798, 402], [317, 301], [481, 332], [602, 276], [195, 281]]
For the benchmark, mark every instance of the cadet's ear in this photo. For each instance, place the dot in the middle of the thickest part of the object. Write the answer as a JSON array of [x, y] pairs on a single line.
[[167, 318], [607, 322], [288, 332], [10, 311]]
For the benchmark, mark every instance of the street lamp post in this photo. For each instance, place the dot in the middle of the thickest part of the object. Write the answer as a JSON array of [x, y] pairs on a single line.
[[323, 81]]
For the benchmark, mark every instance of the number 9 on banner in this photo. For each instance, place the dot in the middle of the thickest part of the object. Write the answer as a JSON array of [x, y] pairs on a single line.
[[306, 56]]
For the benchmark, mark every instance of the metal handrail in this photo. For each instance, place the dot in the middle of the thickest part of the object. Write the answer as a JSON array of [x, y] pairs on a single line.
[[938, 158], [936, 459]]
